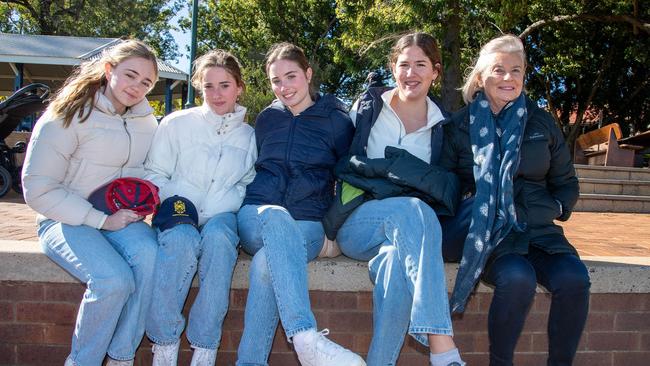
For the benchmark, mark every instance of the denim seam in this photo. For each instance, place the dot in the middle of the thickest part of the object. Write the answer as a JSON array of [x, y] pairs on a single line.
[[212, 346], [161, 342], [117, 358]]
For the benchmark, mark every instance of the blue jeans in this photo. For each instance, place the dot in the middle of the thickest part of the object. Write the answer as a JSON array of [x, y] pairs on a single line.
[[281, 248], [117, 268], [515, 278], [401, 238], [183, 251]]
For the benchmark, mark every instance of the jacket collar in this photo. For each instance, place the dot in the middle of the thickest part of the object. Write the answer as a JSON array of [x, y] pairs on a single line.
[[104, 105], [323, 106], [461, 117], [435, 113], [226, 122]]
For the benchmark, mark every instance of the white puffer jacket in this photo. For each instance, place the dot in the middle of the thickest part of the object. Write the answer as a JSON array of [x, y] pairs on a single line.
[[64, 165], [204, 157]]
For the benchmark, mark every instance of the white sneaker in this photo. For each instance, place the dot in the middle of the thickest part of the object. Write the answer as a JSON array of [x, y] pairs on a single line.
[[203, 357], [165, 355], [316, 350], [112, 362]]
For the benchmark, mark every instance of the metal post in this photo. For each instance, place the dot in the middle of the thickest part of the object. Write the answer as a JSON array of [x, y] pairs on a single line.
[[168, 96], [19, 79], [190, 89]]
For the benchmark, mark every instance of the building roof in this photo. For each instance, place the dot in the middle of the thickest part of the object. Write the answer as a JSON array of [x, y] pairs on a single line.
[[65, 50]]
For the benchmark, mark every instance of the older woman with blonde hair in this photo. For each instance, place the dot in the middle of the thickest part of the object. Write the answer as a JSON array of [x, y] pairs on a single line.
[[515, 167]]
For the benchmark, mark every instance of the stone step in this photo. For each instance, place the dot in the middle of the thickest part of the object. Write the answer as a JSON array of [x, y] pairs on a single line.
[[591, 202], [615, 186], [612, 172]]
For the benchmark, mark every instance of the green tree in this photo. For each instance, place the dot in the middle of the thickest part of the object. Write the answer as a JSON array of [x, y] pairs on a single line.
[[583, 55], [148, 20]]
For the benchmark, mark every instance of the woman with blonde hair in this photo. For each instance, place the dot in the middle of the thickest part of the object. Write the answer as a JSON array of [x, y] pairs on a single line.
[[201, 157], [514, 165], [98, 128]]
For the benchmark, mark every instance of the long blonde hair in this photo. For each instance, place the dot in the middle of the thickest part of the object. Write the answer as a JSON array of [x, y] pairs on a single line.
[[80, 88], [503, 44]]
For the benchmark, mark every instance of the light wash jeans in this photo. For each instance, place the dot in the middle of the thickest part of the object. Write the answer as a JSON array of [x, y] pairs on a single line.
[[281, 248], [401, 239], [183, 251], [117, 268]]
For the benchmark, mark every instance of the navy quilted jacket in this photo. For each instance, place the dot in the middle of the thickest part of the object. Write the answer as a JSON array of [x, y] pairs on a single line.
[[297, 155]]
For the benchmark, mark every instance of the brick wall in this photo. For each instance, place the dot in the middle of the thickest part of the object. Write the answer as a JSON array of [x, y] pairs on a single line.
[[37, 319]]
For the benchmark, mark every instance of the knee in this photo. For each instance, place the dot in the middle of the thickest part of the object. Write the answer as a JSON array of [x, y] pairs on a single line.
[[410, 211], [119, 283], [219, 235], [179, 240], [517, 282], [572, 282], [274, 215]]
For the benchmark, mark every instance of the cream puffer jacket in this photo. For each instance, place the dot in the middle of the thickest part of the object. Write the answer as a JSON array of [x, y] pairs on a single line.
[[204, 157], [64, 165]]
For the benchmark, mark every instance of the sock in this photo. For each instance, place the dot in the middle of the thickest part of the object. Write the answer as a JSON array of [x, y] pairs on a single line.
[[445, 358]]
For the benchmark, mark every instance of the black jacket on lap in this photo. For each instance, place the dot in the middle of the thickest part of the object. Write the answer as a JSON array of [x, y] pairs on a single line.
[[545, 176], [398, 174]]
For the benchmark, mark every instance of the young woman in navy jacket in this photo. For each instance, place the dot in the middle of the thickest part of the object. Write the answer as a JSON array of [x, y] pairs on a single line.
[[300, 137]]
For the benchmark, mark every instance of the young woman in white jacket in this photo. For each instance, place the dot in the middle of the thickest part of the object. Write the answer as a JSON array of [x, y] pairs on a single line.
[[98, 128], [206, 155]]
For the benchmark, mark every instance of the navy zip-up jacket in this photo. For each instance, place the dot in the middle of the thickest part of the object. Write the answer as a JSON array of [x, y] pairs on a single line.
[[297, 155]]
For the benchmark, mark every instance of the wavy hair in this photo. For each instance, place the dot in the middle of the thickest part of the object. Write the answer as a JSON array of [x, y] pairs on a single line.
[[80, 88]]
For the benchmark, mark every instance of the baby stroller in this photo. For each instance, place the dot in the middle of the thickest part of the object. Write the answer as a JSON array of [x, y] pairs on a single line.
[[22, 103]]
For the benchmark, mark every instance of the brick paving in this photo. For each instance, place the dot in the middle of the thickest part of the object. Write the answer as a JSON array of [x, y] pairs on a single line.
[[593, 234]]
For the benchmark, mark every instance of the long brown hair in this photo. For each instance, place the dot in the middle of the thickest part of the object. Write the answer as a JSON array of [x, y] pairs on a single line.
[[80, 88], [291, 52]]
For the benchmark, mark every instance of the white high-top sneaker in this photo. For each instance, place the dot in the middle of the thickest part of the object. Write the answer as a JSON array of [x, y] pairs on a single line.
[[112, 362], [316, 350], [203, 357], [165, 355]]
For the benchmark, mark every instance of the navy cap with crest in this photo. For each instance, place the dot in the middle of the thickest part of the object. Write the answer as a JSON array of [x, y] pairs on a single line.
[[173, 211]]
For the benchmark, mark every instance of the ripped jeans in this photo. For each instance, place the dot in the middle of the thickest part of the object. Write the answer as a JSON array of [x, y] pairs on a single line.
[[401, 239]]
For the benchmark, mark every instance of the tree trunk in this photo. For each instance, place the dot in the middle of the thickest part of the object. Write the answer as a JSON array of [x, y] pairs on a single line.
[[451, 78]]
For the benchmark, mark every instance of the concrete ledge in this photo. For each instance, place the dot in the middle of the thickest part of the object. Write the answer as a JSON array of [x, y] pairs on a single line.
[[24, 261]]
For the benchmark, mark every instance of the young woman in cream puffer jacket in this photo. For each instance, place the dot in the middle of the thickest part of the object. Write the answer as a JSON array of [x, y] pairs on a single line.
[[98, 127]]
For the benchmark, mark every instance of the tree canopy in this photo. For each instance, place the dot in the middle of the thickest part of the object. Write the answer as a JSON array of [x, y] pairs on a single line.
[[148, 20], [586, 57]]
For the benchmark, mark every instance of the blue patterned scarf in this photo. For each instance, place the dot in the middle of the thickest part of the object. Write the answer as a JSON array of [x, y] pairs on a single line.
[[496, 141]]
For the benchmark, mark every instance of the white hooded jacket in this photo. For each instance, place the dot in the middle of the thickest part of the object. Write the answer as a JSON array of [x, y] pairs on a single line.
[[204, 157]]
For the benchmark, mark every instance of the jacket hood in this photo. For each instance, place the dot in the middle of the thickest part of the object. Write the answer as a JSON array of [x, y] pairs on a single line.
[[324, 105], [104, 105]]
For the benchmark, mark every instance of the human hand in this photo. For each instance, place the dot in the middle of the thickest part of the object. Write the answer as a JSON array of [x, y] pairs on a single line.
[[120, 219]]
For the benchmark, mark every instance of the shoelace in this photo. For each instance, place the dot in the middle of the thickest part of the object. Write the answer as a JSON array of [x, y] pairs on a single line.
[[328, 348]]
